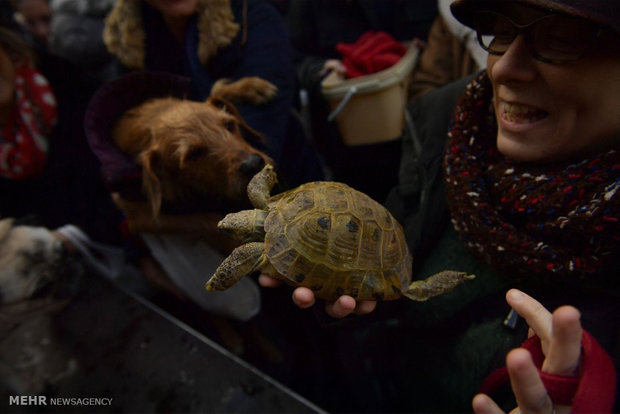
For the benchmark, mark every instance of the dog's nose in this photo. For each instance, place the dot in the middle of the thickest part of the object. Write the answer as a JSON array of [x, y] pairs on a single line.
[[251, 165]]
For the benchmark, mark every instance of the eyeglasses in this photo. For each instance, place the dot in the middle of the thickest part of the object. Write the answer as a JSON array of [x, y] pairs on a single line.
[[551, 38]]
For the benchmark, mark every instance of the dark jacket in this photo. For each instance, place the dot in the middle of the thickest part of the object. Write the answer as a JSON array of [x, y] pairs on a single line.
[[316, 26], [76, 35], [433, 356]]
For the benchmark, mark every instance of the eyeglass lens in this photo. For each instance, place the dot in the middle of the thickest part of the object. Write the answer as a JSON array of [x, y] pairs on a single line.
[[552, 37]]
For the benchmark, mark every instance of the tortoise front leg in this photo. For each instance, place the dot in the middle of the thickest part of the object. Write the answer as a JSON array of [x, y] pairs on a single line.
[[260, 186], [244, 260]]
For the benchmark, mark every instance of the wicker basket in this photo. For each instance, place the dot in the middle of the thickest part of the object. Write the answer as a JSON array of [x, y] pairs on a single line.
[[370, 109]]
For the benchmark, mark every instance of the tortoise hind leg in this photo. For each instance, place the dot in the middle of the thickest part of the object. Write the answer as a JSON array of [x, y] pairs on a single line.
[[442, 282], [244, 260]]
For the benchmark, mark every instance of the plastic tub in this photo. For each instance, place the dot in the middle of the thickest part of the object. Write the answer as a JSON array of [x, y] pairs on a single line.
[[370, 109]]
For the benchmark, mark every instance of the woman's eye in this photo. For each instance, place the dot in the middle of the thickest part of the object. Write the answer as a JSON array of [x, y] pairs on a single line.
[[504, 37], [563, 39]]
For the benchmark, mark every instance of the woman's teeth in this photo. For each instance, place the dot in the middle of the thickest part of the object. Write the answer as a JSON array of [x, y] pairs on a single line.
[[522, 113]]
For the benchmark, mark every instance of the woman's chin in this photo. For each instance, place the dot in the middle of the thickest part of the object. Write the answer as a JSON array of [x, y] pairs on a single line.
[[527, 142], [522, 151]]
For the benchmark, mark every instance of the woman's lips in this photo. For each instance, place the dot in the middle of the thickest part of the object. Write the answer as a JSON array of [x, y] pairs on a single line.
[[521, 114]]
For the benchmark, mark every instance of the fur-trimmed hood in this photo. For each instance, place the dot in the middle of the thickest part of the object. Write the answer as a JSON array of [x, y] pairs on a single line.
[[124, 33]]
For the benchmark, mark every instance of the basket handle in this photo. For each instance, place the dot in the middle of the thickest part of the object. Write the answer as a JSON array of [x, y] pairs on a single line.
[[345, 100]]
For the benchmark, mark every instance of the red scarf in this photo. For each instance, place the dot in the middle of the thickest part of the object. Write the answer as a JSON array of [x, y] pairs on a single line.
[[371, 53], [537, 219], [24, 143]]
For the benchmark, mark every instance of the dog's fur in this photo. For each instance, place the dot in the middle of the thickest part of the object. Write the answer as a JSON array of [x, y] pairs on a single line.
[[193, 155], [250, 89], [29, 258]]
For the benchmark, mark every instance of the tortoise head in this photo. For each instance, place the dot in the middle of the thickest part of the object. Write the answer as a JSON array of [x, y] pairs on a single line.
[[244, 226]]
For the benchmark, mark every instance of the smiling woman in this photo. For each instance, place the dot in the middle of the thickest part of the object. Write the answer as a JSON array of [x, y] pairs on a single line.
[[554, 108], [523, 191]]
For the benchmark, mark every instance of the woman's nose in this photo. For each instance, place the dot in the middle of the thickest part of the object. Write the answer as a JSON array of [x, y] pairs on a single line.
[[516, 64]]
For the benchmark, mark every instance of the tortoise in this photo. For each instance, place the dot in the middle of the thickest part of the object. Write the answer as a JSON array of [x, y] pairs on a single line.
[[325, 236]]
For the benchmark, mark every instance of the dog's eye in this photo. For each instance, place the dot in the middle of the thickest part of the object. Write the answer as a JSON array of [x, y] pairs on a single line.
[[195, 154]]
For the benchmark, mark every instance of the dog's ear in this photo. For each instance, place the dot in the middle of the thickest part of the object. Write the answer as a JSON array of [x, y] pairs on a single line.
[[150, 161], [250, 134]]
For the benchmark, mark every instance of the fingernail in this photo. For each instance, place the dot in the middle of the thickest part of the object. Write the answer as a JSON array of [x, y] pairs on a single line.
[[515, 294]]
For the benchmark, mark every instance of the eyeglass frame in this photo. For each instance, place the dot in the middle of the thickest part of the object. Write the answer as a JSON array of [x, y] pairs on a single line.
[[523, 30]]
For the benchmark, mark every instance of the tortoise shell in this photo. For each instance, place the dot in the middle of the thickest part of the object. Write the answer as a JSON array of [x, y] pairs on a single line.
[[336, 240]]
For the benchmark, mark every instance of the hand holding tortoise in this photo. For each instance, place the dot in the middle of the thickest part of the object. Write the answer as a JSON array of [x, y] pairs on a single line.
[[341, 307]]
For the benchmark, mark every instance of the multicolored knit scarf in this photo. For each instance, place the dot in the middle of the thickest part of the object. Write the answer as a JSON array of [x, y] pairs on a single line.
[[23, 143], [545, 219]]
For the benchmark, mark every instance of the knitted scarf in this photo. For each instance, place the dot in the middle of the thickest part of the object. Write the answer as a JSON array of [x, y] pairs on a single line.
[[23, 143], [559, 218]]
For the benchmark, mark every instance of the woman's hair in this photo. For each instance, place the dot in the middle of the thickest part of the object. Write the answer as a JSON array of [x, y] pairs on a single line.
[[15, 45]]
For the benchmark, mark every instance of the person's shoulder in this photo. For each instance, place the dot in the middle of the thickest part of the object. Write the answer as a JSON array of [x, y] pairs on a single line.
[[258, 8], [258, 3], [261, 17], [80, 9], [442, 99], [64, 77]]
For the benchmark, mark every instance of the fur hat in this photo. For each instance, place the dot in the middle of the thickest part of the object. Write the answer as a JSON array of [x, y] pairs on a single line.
[[601, 12], [124, 34]]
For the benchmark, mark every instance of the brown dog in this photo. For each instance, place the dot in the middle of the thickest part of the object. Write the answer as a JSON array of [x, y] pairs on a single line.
[[193, 155], [195, 161]]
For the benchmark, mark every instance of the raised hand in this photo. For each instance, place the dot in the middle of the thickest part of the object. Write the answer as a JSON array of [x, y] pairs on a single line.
[[560, 334]]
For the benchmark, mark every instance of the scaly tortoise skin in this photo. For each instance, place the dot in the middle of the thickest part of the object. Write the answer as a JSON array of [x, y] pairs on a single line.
[[325, 236]]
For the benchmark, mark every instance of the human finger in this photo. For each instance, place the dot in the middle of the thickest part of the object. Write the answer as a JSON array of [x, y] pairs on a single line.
[[303, 297], [483, 404], [116, 197], [332, 65], [268, 281], [364, 307], [535, 314], [527, 386], [121, 203], [564, 350], [343, 306]]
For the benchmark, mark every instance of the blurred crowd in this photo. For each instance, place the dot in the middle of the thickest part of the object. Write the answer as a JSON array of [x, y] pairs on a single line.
[[506, 167]]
